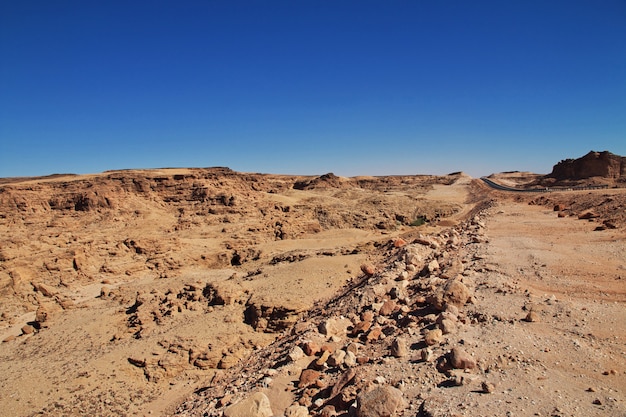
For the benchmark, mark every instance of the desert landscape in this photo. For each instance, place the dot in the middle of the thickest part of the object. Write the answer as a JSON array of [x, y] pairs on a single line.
[[210, 292]]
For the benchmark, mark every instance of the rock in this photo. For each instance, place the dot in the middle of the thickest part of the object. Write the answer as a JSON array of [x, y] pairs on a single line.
[[399, 242], [337, 358], [447, 326], [296, 410], [532, 317], [382, 401], [374, 334], [28, 329], [561, 214], [308, 377], [559, 207], [44, 289], [321, 361], [296, 354], [488, 387], [399, 348], [361, 327], [454, 292], [588, 214], [257, 405], [335, 327], [328, 411], [427, 355], [388, 308], [310, 348], [433, 266], [344, 380], [433, 337], [350, 359], [459, 359], [368, 269], [9, 339]]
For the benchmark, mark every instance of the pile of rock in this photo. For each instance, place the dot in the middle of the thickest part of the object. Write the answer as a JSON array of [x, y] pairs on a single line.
[[369, 351]]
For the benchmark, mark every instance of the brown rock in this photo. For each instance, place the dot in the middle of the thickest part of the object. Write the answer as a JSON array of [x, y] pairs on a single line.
[[488, 387], [459, 359], [374, 334], [368, 269], [559, 207], [532, 317], [337, 358], [28, 329], [310, 348], [433, 337], [447, 326], [383, 401], [388, 308], [296, 410], [328, 411], [361, 327], [399, 348], [335, 327], [257, 405], [344, 380], [9, 338], [321, 361], [308, 377], [399, 242], [453, 292]]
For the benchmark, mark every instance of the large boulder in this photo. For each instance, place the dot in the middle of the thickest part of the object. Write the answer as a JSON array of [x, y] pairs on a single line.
[[383, 401]]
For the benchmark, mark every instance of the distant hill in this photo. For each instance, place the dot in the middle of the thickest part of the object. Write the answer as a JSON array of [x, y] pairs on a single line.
[[594, 164]]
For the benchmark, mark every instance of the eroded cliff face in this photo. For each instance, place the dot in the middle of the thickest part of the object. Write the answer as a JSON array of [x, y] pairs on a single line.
[[594, 164]]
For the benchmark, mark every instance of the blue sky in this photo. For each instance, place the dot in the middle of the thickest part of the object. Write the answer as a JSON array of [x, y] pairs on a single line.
[[309, 87]]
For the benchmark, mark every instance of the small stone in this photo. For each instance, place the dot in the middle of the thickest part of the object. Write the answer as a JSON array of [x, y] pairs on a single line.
[[427, 355], [337, 358], [9, 339], [433, 266], [460, 359], [531, 317], [374, 334], [321, 361], [488, 387], [388, 308], [597, 401], [368, 269], [610, 372], [308, 377], [296, 410], [447, 326], [399, 348], [433, 337], [328, 411], [28, 329], [399, 242], [350, 359], [296, 354], [310, 348], [257, 405], [382, 401]]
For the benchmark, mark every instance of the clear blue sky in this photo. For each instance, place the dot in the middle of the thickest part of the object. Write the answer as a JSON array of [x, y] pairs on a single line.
[[309, 87]]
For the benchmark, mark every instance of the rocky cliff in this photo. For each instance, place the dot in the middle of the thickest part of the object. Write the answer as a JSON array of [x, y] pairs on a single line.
[[594, 164]]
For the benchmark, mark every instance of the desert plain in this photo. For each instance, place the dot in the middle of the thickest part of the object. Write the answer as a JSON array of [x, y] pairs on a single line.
[[210, 292]]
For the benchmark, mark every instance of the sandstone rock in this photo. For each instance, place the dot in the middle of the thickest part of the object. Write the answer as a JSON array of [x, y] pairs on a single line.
[[368, 269], [382, 401], [45, 289], [589, 214], [296, 354], [257, 405], [9, 339], [296, 410], [432, 266], [374, 334], [388, 308], [350, 359], [321, 361], [310, 348], [335, 327], [399, 348], [433, 337], [399, 242], [344, 380], [308, 377], [337, 358], [328, 411], [532, 317], [361, 327], [447, 326], [453, 292], [460, 359], [427, 355], [28, 329], [559, 207], [488, 387]]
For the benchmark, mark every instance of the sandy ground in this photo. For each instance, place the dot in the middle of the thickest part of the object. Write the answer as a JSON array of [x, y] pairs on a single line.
[[143, 302]]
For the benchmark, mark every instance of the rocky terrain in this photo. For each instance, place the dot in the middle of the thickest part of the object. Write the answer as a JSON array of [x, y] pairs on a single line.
[[207, 292]]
